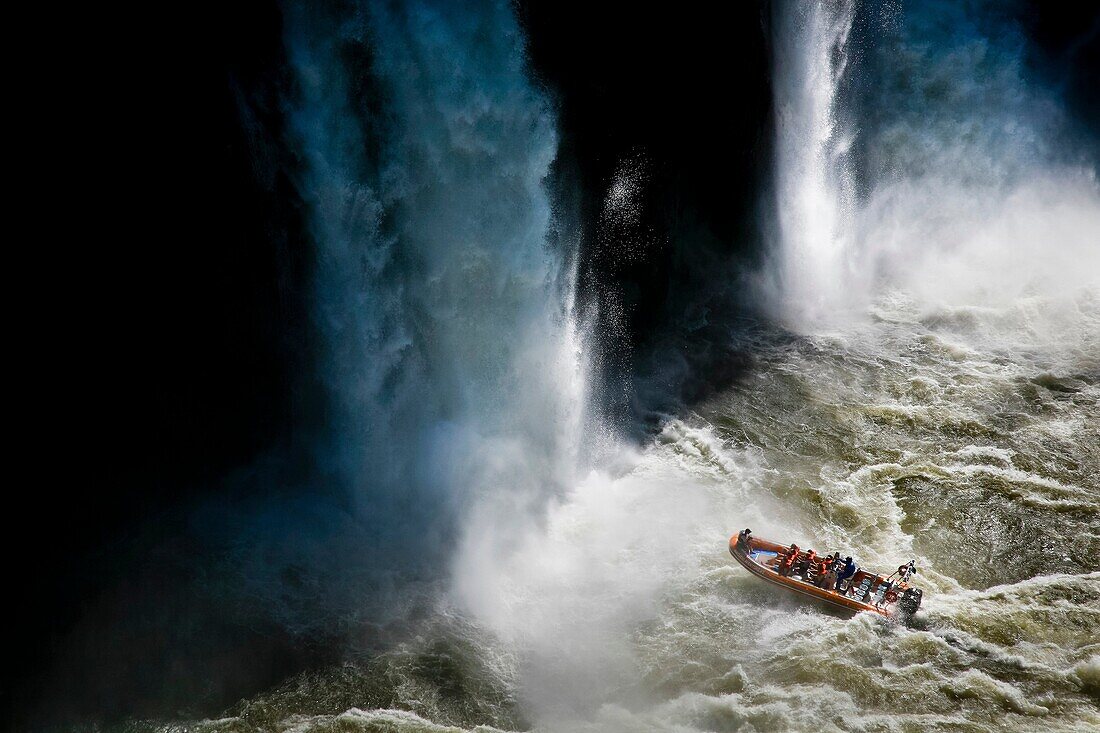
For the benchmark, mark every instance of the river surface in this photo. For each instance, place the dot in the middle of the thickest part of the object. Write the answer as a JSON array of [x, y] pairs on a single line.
[[966, 438]]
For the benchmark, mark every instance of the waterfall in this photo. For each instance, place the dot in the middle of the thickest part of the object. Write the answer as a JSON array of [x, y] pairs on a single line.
[[449, 358], [972, 188], [813, 176]]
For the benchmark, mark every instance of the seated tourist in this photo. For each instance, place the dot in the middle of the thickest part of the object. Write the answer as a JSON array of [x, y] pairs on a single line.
[[787, 563], [803, 568], [824, 565]]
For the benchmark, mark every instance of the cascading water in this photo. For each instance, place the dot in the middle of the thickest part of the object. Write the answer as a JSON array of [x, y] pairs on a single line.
[[932, 170], [814, 192], [448, 354]]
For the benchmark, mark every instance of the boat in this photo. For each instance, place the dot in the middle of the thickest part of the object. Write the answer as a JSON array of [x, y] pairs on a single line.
[[890, 596]]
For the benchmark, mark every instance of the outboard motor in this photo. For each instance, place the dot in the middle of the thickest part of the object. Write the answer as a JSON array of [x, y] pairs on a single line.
[[910, 600]]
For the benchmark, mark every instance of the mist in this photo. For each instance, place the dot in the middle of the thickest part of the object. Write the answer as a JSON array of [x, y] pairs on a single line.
[[894, 183]]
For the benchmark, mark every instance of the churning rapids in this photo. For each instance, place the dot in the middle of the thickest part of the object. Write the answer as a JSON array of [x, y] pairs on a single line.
[[916, 434], [928, 388]]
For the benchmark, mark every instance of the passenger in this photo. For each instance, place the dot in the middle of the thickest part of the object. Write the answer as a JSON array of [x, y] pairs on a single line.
[[814, 570], [846, 572], [788, 560], [799, 569], [807, 562], [823, 567], [828, 582], [792, 557], [744, 539]]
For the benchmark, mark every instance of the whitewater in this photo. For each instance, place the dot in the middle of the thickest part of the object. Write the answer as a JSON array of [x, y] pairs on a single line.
[[924, 383], [914, 435]]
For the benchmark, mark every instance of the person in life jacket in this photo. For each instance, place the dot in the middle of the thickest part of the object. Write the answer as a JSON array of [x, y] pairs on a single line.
[[824, 567], [828, 581], [808, 561], [787, 562]]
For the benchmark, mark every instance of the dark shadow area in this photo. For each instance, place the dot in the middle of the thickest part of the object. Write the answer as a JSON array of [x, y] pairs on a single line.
[[180, 355], [665, 152], [1065, 52]]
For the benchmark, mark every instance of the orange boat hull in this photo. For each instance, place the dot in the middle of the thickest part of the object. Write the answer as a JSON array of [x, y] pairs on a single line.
[[741, 554]]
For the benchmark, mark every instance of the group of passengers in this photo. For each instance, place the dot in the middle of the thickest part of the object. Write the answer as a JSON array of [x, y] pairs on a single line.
[[827, 572]]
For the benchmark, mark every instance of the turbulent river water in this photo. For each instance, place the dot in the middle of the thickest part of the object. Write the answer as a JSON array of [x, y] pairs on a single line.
[[928, 388], [967, 438]]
